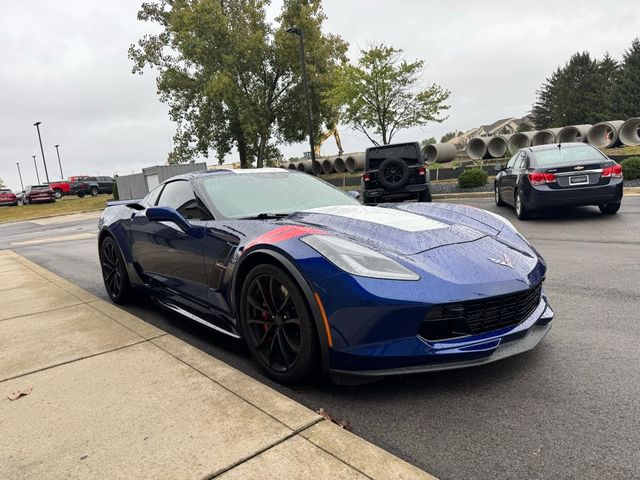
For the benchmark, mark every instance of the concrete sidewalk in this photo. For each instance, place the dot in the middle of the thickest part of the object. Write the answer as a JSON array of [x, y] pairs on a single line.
[[114, 397]]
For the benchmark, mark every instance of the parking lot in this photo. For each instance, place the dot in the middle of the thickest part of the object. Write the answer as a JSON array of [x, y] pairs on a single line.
[[568, 409]]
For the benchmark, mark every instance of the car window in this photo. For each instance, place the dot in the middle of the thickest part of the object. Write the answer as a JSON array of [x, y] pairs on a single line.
[[568, 154], [152, 197], [521, 160], [180, 196], [513, 159]]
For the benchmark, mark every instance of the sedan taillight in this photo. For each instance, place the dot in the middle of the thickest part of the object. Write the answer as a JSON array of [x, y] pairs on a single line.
[[614, 171], [538, 178]]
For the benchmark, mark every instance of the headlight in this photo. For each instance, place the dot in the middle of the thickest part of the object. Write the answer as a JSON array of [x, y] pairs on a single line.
[[358, 260]]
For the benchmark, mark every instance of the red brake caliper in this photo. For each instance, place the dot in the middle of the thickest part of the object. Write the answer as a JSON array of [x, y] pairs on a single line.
[[265, 317]]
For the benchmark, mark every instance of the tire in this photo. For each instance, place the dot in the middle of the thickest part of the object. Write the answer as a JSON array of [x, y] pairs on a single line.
[[114, 272], [81, 194], [57, 192], [424, 196], [270, 300], [521, 208], [497, 197], [609, 208], [393, 173], [94, 191], [25, 201]]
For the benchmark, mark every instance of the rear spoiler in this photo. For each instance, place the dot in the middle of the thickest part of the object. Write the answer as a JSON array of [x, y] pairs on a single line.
[[135, 204]]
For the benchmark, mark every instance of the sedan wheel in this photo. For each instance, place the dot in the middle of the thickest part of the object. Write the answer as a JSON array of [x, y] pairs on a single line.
[[114, 272], [277, 324], [497, 196], [521, 210], [609, 208]]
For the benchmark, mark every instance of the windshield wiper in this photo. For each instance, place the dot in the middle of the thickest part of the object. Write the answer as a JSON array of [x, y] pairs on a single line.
[[265, 216]]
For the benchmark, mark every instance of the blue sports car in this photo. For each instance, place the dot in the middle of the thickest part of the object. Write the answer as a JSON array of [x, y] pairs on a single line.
[[313, 281]]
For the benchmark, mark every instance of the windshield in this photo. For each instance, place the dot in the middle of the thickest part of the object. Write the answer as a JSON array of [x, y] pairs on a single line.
[[579, 154], [249, 194]]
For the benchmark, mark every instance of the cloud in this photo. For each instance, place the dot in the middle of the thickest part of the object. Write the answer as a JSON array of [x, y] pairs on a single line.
[[65, 64]]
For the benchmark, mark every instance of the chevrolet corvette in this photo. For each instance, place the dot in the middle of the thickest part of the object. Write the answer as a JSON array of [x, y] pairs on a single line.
[[313, 281]]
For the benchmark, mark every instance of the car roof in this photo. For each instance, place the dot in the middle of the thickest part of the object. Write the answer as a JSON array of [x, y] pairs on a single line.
[[551, 146], [232, 171]]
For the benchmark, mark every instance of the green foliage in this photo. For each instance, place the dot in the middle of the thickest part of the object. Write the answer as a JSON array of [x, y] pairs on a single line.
[[587, 90], [379, 95], [231, 78], [524, 127], [475, 177], [428, 141], [448, 136], [631, 168], [626, 90]]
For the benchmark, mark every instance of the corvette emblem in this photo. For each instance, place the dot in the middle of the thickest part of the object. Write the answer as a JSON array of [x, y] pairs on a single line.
[[579, 167], [505, 261]]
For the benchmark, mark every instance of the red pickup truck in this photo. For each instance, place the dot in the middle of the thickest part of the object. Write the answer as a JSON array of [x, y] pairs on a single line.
[[60, 188]]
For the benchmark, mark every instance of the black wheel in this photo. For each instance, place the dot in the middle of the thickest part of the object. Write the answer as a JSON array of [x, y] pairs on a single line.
[[58, 193], [609, 208], [393, 173], [521, 208], [94, 191], [114, 272], [498, 198], [424, 196], [81, 195], [277, 325]]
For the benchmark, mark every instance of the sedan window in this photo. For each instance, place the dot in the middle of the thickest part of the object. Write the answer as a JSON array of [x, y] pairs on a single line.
[[568, 154]]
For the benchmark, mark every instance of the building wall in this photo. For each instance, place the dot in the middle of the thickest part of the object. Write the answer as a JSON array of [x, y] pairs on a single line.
[[138, 185]]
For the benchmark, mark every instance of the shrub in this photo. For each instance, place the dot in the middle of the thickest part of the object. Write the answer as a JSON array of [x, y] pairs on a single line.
[[473, 178], [631, 168]]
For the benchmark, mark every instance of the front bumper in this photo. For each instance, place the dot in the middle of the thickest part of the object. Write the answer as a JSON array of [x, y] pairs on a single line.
[[423, 356]]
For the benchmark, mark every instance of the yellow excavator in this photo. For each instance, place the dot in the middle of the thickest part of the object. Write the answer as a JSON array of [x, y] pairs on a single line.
[[332, 131]]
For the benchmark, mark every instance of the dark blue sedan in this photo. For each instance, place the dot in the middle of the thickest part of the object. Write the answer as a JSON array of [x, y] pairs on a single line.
[[313, 281]]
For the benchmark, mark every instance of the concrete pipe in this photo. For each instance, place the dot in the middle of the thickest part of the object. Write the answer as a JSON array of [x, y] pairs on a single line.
[[520, 140], [293, 165], [497, 146], [605, 134], [339, 165], [316, 168], [477, 148], [304, 166], [545, 137], [573, 133], [440, 152], [629, 132], [355, 162], [327, 165]]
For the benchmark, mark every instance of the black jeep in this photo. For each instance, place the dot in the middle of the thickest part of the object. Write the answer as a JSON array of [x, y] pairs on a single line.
[[394, 173]]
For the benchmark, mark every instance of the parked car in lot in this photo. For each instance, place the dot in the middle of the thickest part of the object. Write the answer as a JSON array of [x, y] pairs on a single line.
[[314, 281], [60, 188], [92, 186], [7, 197], [38, 194], [557, 175], [394, 173]]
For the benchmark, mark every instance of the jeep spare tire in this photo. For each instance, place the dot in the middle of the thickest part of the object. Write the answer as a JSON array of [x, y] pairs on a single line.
[[393, 173]]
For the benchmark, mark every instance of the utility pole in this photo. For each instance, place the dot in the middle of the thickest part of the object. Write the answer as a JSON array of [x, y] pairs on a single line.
[[20, 175], [59, 163], [36, 166], [44, 161], [297, 31]]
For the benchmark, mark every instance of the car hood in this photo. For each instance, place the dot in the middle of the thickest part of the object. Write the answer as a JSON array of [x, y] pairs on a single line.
[[402, 229]]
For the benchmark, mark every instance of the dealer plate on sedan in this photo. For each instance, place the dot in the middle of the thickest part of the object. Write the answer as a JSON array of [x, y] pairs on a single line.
[[578, 179]]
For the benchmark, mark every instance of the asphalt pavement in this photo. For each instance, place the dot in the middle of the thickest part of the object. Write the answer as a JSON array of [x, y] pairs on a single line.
[[568, 409]]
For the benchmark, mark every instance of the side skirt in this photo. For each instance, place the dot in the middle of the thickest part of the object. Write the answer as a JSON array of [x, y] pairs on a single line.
[[195, 318]]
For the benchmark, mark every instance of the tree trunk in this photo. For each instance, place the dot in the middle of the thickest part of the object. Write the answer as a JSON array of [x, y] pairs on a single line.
[[242, 149], [261, 149]]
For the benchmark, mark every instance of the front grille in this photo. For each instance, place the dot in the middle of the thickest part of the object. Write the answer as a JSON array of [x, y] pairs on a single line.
[[454, 320]]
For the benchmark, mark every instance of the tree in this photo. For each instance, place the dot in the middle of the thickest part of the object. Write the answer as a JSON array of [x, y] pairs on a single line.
[[379, 95], [626, 90], [449, 135], [231, 78], [428, 141]]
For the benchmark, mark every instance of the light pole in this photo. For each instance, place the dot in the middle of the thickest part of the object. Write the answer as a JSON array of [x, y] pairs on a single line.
[[297, 31], [36, 166], [46, 172], [59, 163], [20, 175]]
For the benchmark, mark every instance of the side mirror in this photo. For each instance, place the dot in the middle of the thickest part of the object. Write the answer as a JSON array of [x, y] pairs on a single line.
[[168, 214], [353, 194]]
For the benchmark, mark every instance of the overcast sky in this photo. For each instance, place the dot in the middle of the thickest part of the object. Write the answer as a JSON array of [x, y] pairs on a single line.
[[65, 64]]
